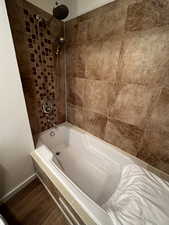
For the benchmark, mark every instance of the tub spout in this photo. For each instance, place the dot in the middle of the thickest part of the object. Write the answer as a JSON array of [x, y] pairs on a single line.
[[52, 133]]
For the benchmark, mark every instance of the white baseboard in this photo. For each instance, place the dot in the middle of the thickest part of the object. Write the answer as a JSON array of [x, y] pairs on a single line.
[[18, 188]]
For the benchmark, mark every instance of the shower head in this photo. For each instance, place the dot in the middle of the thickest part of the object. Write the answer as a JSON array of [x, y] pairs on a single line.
[[60, 12]]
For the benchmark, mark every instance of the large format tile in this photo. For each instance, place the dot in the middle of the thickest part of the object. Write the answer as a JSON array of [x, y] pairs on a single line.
[[112, 90], [155, 149], [93, 60], [124, 136], [76, 89], [132, 103], [98, 24], [76, 31], [145, 58], [22, 53], [102, 59], [94, 123], [160, 114], [75, 115], [32, 113], [15, 13], [107, 22], [147, 14], [96, 96], [76, 59], [125, 63]]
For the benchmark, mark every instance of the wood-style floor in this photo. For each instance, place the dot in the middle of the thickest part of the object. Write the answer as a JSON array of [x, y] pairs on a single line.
[[32, 206]]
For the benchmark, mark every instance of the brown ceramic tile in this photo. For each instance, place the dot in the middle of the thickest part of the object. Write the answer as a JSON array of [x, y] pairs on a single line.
[[15, 13], [76, 89], [33, 117], [160, 115], [76, 58], [105, 23], [96, 96], [28, 86], [75, 115], [124, 75], [102, 59], [94, 123], [132, 103], [97, 24], [155, 149], [124, 136], [147, 14], [93, 60], [112, 90], [145, 57], [76, 31], [60, 116], [21, 53]]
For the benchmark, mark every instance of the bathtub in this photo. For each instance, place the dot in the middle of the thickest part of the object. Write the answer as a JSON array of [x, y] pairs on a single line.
[[86, 171]]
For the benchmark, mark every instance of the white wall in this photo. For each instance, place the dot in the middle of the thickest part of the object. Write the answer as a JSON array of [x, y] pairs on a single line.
[[15, 135], [77, 7], [46, 5]]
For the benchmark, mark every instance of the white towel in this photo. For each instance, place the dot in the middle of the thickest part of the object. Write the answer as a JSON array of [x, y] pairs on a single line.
[[141, 198]]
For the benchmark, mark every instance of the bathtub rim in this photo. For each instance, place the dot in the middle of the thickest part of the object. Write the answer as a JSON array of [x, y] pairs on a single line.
[[90, 213]]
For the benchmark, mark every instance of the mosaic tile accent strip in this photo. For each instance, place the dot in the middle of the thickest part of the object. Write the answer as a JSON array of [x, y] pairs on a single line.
[[42, 61], [42, 72]]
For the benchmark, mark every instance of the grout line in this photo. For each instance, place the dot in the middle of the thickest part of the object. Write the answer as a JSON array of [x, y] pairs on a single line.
[[65, 74]]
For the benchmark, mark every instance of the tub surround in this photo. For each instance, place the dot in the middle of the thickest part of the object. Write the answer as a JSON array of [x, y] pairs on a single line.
[[117, 90], [116, 73], [117, 77], [41, 73]]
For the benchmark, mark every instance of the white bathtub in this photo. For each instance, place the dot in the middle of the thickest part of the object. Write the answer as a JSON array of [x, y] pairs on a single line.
[[89, 173]]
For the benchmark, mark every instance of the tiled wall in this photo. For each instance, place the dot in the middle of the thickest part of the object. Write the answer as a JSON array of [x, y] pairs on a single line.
[[117, 73], [42, 73], [118, 76]]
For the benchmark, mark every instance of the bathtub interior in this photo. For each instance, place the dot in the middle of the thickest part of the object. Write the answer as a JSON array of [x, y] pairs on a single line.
[[89, 162]]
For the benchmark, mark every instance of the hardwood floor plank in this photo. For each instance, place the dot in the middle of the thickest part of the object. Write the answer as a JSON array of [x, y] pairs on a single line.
[[32, 206]]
